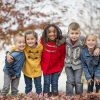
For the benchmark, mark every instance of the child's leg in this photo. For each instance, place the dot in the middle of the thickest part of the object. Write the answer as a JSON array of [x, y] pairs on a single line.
[[47, 80], [70, 80], [28, 83], [90, 87], [38, 86], [78, 84], [14, 86], [6, 86], [97, 85], [54, 83]]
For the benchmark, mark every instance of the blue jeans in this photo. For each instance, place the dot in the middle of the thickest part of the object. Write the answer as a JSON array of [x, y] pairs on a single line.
[[53, 80], [37, 82]]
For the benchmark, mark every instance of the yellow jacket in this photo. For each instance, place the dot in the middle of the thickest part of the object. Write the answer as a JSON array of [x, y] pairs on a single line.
[[32, 67]]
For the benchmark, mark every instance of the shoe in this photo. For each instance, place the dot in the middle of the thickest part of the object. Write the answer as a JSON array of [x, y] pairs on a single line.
[[55, 93], [40, 95], [50, 94], [30, 94], [45, 95]]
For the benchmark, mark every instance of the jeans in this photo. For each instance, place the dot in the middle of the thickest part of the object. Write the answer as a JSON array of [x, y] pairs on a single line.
[[14, 83], [53, 80], [73, 80], [37, 82]]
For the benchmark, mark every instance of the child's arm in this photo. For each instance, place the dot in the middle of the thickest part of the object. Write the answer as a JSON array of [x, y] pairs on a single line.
[[8, 55], [9, 67], [12, 73], [85, 68], [62, 58], [97, 71]]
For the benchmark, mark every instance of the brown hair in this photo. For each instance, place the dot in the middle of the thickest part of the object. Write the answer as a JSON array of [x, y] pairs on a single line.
[[31, 32], [73, 26]]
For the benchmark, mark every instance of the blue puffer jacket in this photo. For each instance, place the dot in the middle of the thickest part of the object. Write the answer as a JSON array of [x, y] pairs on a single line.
[[90, 64], [15, 67]]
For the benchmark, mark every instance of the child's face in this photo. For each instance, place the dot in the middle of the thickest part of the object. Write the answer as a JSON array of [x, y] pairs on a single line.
[[31, 40], [74, 34], [91, 42], [52, 33], [20, 43]]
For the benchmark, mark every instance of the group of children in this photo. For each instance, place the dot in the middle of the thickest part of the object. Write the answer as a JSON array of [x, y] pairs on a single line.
[[53, 52]]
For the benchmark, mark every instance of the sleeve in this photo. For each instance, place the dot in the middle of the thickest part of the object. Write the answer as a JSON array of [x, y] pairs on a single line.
[[9, 67], [85, 67], [11, 72], [97, 71], [63, 52]]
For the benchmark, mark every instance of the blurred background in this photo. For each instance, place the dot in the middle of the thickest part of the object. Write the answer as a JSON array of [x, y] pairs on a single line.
[[20, 15]]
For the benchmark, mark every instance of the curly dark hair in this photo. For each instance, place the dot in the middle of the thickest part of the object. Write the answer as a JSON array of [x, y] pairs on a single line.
[[59, 33]]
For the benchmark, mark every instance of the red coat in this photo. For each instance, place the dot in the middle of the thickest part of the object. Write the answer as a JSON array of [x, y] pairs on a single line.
[[52, 58]]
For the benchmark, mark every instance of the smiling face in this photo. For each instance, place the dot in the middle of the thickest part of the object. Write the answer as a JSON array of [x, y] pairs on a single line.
[[20, 43], [52, 33], [31, 40], [91, 41], [74, 34]]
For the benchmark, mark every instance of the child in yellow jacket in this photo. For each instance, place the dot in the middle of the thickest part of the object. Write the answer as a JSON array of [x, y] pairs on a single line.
[[32, 67]]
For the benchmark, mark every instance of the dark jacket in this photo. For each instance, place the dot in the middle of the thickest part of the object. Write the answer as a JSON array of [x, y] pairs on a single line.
[[90, 64], [15, 67]]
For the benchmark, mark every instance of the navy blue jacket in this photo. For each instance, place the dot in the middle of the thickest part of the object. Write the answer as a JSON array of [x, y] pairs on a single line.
[[15, 67], [90, 64]]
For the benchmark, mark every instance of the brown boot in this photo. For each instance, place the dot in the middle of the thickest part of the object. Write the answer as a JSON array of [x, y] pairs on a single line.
[[55, 93], [50, 94]]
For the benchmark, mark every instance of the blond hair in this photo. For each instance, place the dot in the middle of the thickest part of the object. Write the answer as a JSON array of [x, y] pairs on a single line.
[[18, 35], [92, 35]]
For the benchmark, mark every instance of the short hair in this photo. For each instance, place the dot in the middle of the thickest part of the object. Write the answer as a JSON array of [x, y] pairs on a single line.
[[18, 35], [73, 26], [31, 32]]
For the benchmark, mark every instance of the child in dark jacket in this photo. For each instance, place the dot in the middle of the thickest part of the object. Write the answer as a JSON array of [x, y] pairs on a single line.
[[91, 63], [12, 71]]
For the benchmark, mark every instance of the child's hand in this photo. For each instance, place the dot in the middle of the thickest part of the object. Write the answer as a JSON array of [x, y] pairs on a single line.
[[9, 58], [13, 77], [89, 81], [96, 52]]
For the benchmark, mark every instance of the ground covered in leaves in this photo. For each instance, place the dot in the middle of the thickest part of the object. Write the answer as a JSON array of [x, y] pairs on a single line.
[[61, 96]]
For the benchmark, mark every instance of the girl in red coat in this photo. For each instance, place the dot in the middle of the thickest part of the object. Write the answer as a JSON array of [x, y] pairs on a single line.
[[52, 60]]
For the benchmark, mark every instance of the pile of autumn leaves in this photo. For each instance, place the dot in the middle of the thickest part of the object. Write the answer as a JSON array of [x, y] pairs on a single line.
[[61, 96]]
